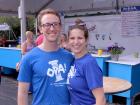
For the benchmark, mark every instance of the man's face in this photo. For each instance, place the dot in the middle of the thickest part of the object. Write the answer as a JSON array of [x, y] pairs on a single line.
[[50, 27]]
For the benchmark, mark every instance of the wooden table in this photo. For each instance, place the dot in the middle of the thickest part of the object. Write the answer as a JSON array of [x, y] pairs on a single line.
[[115, 85]]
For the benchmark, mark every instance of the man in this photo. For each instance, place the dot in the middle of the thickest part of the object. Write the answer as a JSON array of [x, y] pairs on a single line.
[[46, 66]]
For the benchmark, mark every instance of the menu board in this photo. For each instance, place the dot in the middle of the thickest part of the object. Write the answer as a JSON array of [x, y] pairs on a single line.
[[130, 21]]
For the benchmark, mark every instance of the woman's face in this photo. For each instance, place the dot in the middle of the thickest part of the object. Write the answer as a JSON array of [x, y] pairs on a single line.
[[77, 42], [62, 38]]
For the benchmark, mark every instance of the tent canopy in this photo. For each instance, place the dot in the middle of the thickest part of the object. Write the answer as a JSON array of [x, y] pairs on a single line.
[[34, 6], [6, 31], [8, 7]]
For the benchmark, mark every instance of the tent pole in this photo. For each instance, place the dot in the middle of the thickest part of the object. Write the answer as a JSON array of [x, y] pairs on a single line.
[[23, 20], [36, 26], [117, 6]]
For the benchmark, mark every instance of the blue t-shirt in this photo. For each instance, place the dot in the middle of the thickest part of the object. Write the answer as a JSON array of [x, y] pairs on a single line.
[[82, 79], [47, 72]]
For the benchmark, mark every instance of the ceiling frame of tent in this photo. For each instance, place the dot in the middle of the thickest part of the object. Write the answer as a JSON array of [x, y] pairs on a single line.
[[116, 8], [44, 6], [85, 10], [28, 13], [8, 11]]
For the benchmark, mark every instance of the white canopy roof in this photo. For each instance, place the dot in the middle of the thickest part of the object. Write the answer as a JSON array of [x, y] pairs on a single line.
[[8, 7], [34, 6]]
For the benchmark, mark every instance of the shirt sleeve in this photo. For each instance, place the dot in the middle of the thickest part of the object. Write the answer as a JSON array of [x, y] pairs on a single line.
[[93, 74], [25, 72]]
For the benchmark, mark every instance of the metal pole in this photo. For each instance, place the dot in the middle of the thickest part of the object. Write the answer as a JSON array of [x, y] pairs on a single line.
[[23, 20], [36, 26], [117, 6]]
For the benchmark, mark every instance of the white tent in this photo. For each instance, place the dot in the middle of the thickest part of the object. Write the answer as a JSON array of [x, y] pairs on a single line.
[[4, 27], [9, 32], [33, 7]]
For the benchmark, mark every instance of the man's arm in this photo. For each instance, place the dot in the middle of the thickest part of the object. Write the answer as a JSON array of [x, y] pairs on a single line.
[[99, 96], [22, 98]]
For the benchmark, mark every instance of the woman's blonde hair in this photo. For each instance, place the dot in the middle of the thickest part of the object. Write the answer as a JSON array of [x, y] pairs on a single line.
[[28, 33]]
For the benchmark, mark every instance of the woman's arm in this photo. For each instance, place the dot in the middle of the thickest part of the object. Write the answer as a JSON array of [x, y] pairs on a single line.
[[23, 48], [99, 96]]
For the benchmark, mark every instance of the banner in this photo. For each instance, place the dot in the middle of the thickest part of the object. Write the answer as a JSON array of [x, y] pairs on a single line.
[[130, 21]]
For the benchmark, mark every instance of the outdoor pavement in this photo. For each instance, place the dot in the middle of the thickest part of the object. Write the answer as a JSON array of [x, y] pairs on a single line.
[[8, 91]]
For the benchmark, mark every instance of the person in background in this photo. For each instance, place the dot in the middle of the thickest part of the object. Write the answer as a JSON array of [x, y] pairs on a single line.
[[63, 42], [2, 41], [85, 80], [28, 44], [39, 39], [46, 66]]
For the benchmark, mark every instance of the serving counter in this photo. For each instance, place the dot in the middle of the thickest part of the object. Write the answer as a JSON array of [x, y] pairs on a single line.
[[127, 68], [101, 60], [9, 56]]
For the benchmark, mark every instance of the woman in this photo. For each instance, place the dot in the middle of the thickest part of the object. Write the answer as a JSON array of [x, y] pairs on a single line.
[[85, 80], [63, 42], [28, 44]]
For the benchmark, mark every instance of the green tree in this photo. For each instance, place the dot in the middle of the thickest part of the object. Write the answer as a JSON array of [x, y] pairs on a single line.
[[30, 20]]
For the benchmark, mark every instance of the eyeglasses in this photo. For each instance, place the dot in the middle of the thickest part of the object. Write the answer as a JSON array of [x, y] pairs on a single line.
[[81, 26], [48, 25]]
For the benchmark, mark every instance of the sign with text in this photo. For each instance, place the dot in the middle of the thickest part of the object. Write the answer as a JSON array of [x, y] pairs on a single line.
[[130, 21]]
